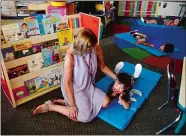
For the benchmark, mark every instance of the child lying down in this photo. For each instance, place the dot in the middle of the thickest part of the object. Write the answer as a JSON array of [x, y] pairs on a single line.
[[122, 88], [152, 42]]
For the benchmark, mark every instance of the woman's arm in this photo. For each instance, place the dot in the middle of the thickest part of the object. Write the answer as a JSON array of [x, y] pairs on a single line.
[[68, 69], [101, 63]]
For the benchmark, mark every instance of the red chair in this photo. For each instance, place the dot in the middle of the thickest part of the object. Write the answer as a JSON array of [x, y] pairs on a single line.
[[172, 94]]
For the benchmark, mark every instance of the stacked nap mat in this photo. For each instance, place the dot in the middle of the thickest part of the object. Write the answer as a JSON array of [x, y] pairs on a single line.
[[115, 114], [156, 25]]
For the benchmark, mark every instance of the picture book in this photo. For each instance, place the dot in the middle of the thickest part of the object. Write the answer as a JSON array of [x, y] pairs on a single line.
[[35, 63], [55, 54], [39, 57], [39, 19], [64, 24], [65, 37], [62, 52], [22, 48], [41, 82], [30, 27], [50, 43], [31, 85], [36, 48], [17, 71], [47, 56], [53, 76], [51, 22], [8, 54], [12, 32], [20, 92]]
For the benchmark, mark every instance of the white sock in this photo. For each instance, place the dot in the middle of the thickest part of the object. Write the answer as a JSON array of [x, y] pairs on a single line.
[[142, 19], [118, 67], [138, 69]]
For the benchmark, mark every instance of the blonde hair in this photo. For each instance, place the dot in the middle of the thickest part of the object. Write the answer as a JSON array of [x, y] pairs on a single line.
[[84, 39]]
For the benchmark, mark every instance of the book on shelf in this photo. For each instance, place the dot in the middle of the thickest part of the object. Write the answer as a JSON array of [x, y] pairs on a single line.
[[36, 48], [63, 24], [50, 43], [51, 22], [20, 92], [54, 76], [41, 82], [12, 32], [31, 85], [73, 23], [22, 48], [17, 71], [55, 54], [8, 54], [62, 52], [65, 37], [30, 27], [39, 19], [36, 63], [47, 56]]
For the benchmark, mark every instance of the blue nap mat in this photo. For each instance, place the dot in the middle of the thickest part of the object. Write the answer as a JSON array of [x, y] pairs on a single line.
[[156, 25], [128, 38], [115, 114]]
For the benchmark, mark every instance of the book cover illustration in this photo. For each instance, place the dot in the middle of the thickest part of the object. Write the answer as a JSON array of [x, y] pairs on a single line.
[[35, 63], [8, 54], [41, 82], [51, 22], [55, 54], [53, 77], [17, 71], [47, 56], [12, 32], [31, 85], [36, 48], [22, 48], [65, 37], [30, 27], [64, 24], [62, 52], [20, 92], [39, 19], [50, 43]]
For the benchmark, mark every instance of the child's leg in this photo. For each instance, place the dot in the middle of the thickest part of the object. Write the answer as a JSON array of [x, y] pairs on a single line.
[[137, 72], [118, 67], [151, 21]]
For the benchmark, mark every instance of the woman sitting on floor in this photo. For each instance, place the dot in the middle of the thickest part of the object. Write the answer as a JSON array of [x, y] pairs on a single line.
[[152, 42]]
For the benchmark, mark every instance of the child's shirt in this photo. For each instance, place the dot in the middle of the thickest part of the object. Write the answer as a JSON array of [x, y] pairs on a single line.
[[126, 95]]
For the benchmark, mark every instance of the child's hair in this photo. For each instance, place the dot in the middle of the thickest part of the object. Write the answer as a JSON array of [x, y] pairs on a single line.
[[83, 40], [124, 79], [169, 48]]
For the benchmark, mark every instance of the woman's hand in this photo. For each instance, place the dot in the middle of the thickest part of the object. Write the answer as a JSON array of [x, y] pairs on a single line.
[[73, 112]]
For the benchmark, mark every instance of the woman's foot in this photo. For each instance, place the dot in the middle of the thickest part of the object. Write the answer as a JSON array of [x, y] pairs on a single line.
[[137, 72], [42, 108], [59, 101], [118, 67]]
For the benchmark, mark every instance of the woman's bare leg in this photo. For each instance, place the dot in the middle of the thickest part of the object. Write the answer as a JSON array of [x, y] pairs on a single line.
[[64, 110]]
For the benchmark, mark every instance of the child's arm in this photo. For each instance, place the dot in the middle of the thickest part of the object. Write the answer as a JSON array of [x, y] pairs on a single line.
[[125, 104], [142, 41]]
